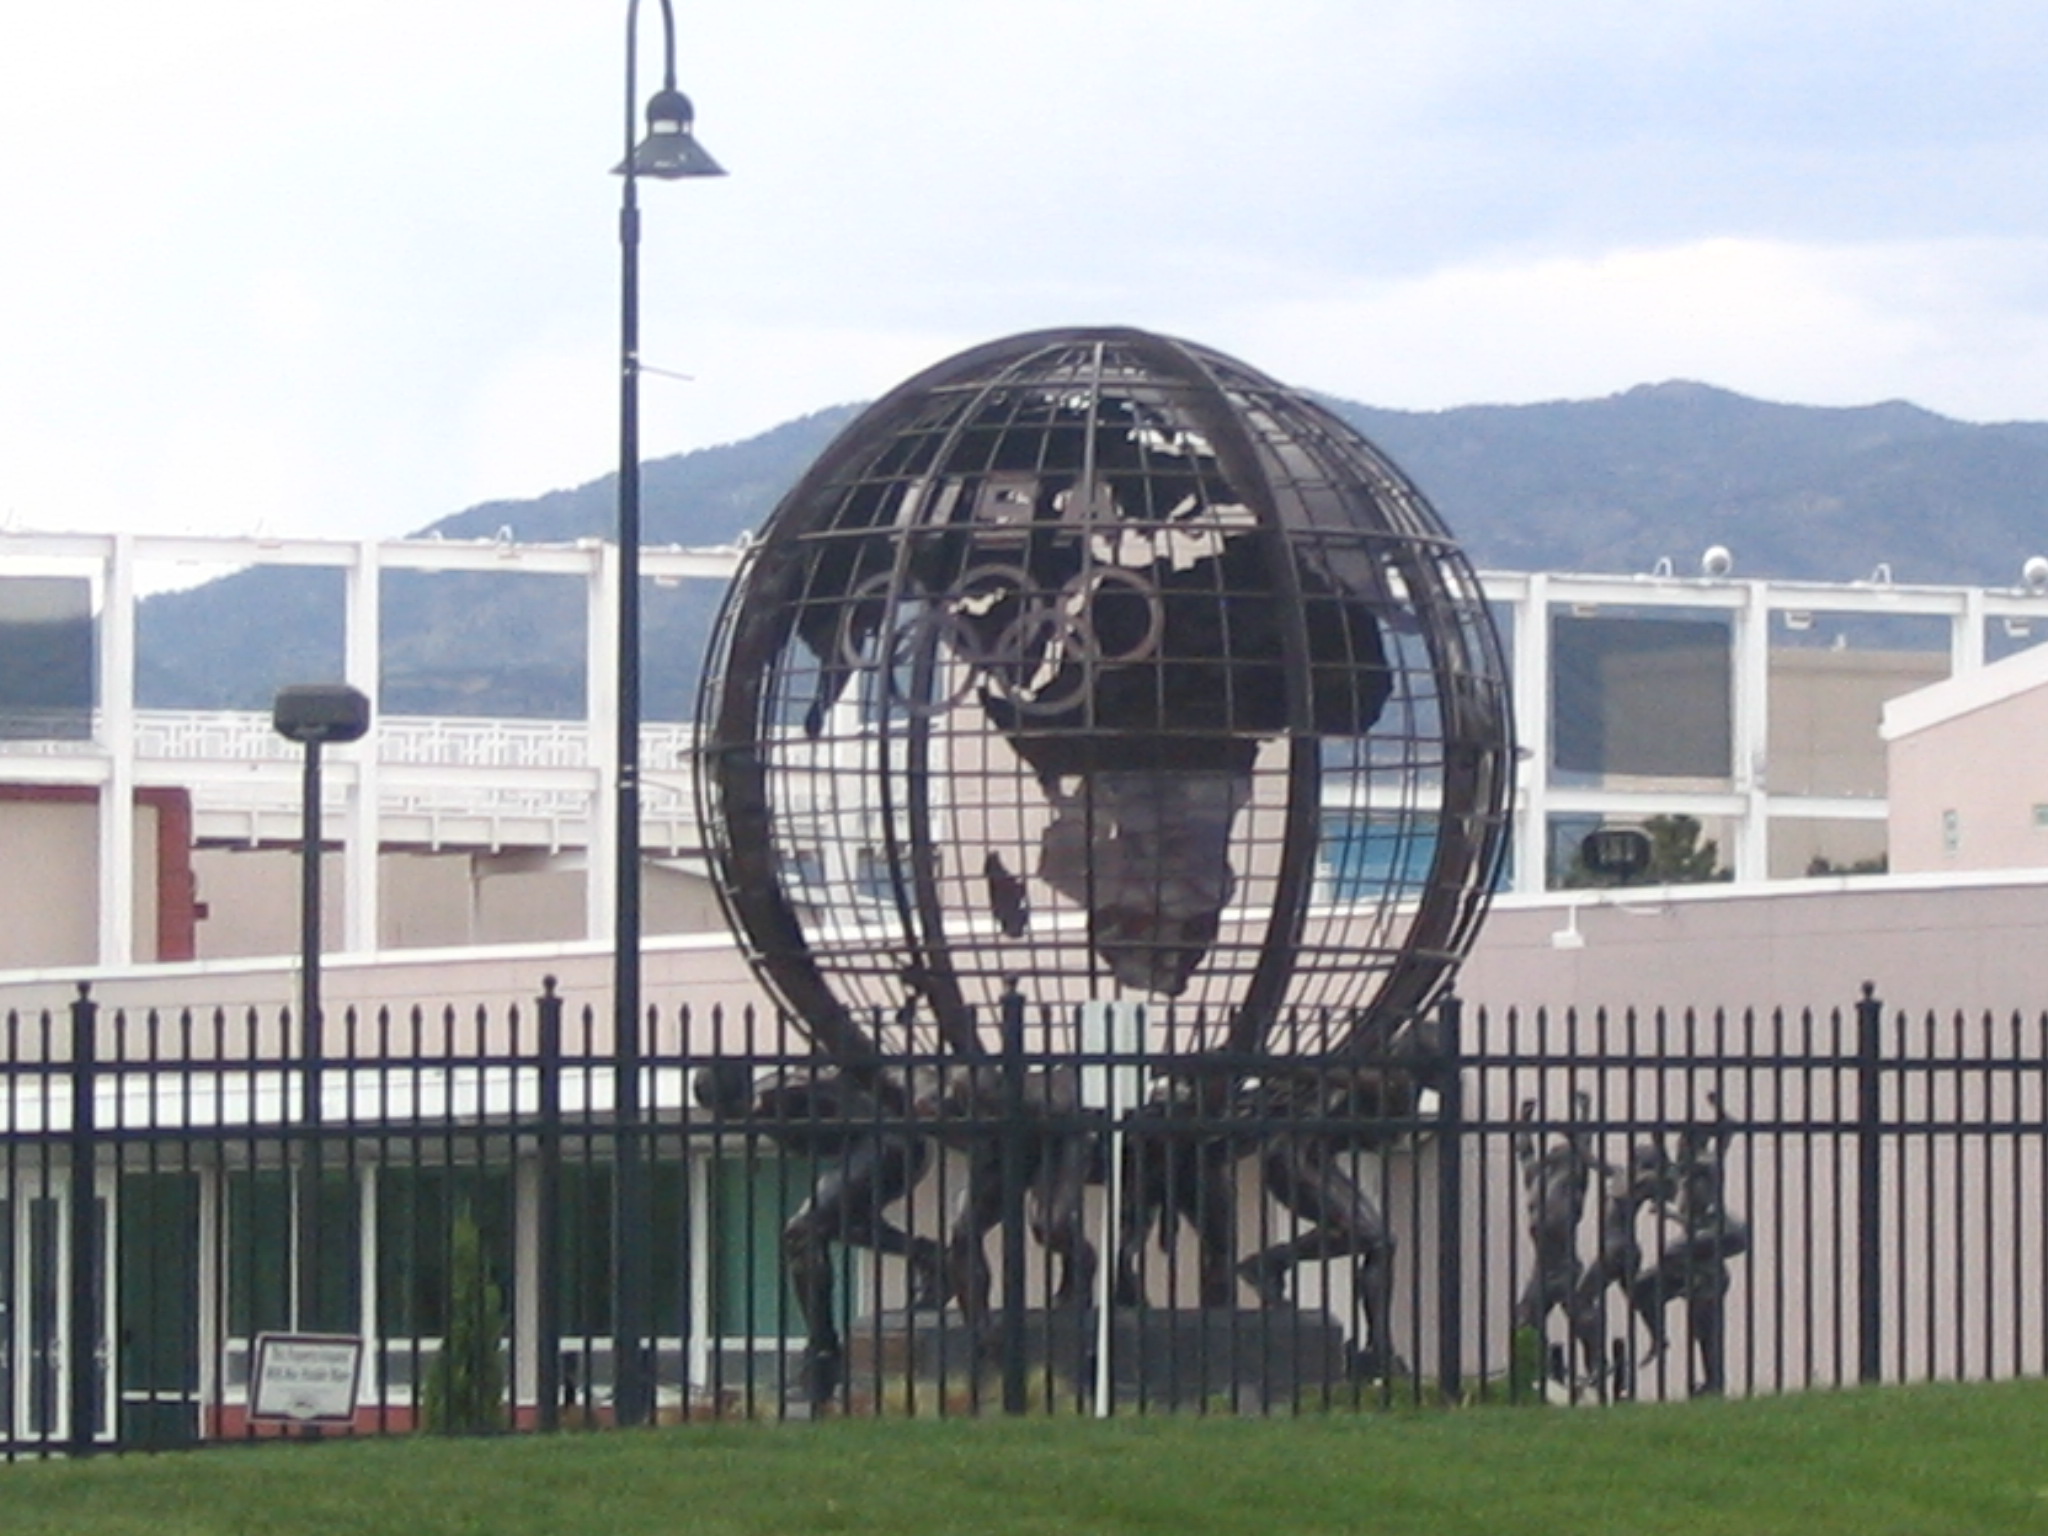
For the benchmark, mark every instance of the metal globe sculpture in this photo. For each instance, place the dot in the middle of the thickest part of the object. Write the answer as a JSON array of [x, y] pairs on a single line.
[[1097, 665]]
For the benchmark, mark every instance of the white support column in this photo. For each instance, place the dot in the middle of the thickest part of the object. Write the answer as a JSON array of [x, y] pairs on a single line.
[[362, 667], [600, 688], [371, 1388], [703, 1322], [1751, 708], [117, 737], [531, 1249], [1966, 635], [1532, 734]]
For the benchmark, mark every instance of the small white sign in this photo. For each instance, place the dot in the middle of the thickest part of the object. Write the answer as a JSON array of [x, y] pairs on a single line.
[[305, 1378]]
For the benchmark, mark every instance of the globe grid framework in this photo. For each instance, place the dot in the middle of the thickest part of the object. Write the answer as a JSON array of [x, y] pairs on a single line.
[[1097, 664]]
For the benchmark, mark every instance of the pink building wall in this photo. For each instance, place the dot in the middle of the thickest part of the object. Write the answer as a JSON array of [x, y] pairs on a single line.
[[1968, 770]]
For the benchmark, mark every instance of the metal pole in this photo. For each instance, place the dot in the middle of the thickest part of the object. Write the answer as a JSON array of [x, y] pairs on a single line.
[[88, 1276], [672, 153], [547, 1306], [1869, 1186], [1450, 1204], [632, 1392], [312, 1045]]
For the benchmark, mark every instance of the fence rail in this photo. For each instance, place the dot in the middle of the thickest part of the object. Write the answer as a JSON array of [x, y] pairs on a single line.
[[1522, 1206]]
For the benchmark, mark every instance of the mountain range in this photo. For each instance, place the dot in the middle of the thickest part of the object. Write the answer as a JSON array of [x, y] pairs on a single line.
[[1661, 471]]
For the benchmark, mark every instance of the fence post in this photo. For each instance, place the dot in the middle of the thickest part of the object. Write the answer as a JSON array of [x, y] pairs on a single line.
[[88, 1280], [1869, 1190], [1014, 1398], [547, 1301], [1450, 1200]]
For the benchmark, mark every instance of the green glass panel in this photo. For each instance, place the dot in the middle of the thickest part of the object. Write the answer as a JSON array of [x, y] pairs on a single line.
[[157, 1303], [259, 1254], [8, 1343], [751, 1199], [415, 1223], [583, 1250], [259, 1251]]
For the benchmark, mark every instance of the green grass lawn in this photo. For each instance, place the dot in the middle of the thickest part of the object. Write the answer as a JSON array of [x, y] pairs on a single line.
[[1918, 1461]]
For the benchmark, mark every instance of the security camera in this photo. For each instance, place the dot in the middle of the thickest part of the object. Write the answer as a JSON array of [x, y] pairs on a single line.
[[2035, 573], [1716, 561]]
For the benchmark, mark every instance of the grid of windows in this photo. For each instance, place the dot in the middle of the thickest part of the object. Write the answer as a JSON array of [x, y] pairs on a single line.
[[415, 1210]]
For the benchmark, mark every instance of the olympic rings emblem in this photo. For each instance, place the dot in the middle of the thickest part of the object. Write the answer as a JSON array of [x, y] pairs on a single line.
[[1037, 649]]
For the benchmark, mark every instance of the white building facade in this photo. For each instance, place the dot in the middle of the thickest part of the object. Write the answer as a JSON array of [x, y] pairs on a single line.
[[1750, 706]]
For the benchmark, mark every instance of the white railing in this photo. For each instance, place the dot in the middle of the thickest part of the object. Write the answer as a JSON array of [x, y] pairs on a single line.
[[240, 736], [510, 771]]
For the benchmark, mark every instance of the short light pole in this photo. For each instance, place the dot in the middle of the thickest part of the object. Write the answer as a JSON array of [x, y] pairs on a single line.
[[669, 152], [312, 714]]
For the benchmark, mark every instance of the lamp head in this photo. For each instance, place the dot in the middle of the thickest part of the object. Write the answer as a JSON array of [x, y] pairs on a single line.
[[310, 713], [670, 151]]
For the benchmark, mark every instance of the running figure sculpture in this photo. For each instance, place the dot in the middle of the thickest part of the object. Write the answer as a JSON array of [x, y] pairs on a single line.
[[1694, 1263], [1643, 1180], [853, 1125], [1554, 1183]]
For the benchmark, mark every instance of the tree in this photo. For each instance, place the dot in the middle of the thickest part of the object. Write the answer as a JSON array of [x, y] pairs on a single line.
[[465, 1387]]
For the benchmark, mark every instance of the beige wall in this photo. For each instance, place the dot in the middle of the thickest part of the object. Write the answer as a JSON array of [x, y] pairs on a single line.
[[1826, 707], [703, 971], [251, 900], [1927, 945], [49, 900], [426, 901], [50, 913], [1969, 945]]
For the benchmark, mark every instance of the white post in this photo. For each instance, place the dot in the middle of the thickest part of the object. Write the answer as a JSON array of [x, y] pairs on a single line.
[[1112, 1034], [116, 939], [1531, 642], [362, 668], [1751, 708], [1966, 635]]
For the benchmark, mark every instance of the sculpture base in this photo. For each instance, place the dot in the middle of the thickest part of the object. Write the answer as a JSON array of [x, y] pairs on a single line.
[[1241, 1358]]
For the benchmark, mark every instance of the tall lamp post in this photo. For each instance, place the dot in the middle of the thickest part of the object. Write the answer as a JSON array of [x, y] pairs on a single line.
[[669, 152], [313, 715]]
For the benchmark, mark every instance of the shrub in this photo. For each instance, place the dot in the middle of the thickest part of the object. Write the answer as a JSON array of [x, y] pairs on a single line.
[[464, 1392]]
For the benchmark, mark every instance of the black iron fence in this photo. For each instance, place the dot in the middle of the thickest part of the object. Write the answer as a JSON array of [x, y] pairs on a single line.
[[206, 1234]]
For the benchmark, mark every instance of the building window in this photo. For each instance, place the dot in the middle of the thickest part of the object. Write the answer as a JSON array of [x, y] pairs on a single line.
[[2041, 816], [260, 1260], [1951, 831], [751, 1198], [416, 1210], [804, 869], [874, 876], [1636, 697], [46, 658], [1376, 857], [583, 1249]]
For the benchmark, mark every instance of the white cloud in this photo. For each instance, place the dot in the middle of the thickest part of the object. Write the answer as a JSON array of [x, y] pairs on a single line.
[[353, 269], [1946, 324]]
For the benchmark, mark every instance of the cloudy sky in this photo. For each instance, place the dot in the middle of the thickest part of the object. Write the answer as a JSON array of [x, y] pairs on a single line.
[[345, 268]]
